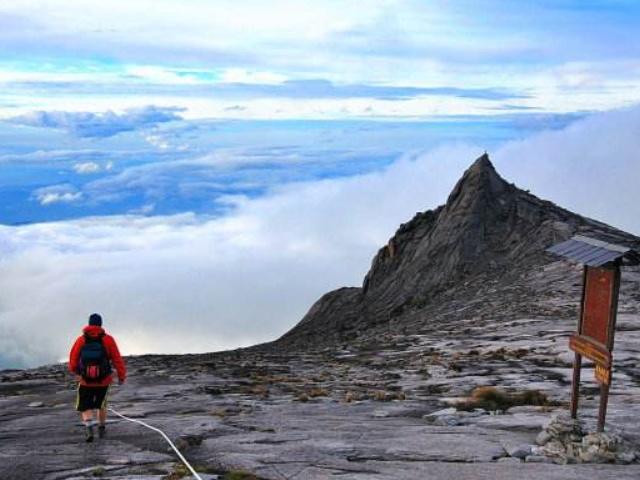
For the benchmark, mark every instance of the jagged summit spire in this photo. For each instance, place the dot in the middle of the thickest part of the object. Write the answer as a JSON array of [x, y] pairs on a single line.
[[480, 177], [482, 163]]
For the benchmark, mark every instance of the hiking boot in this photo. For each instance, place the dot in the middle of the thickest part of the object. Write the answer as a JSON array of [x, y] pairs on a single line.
[[102, 431], [89, 433]]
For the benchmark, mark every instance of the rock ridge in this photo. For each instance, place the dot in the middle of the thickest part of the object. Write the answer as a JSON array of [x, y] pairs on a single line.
[[488, 227]]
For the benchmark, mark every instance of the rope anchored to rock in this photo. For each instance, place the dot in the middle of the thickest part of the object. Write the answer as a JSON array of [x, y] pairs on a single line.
[[175, 449]]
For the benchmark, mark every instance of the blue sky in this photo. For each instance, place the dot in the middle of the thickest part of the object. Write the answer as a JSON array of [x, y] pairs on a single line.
[[267, 149]]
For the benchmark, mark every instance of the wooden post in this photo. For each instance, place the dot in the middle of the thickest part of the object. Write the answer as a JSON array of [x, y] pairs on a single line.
[[604, 388], [602, 411], [577, 360], [575, 387]]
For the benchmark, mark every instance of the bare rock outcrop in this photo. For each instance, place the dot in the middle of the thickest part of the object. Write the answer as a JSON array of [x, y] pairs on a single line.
[[488, 228]]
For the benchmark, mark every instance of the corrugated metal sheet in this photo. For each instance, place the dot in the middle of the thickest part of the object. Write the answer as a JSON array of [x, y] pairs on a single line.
[[594, 253]]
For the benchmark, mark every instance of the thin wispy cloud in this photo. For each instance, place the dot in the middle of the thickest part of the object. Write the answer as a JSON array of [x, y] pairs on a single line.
[[102, 124], [88, 168], [57, 194]]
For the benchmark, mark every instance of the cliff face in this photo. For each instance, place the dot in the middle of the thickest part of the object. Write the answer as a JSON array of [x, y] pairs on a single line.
[[488, 227]]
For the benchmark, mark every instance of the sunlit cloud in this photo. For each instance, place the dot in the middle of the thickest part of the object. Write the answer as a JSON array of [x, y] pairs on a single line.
[[57, 194], [88, 168]]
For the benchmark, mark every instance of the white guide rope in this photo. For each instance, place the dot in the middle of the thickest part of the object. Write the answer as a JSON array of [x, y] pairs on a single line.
[[184, 460]]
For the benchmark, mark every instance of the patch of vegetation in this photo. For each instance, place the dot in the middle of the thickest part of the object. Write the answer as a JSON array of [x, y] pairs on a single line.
[[260, 390], [239, 475], [317, 392], [380, 396], [179, 471], [310, 392], [494, 399], [384, 396], [302, 397], [98, 472]]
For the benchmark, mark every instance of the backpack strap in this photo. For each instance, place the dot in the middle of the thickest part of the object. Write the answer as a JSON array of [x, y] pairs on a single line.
[[89, 338]]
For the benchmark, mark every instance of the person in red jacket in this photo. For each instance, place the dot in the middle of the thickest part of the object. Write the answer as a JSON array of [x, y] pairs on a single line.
[[93, 356]]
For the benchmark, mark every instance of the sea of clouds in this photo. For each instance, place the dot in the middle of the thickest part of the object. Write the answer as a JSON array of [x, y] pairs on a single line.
[[191, 283]]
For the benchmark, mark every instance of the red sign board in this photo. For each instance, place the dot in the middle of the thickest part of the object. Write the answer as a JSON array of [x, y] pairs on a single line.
[[592, 340], [597, 304]]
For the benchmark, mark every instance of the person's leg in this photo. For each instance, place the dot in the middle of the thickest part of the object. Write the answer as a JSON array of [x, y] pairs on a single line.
[[87, 415], [102, 418], [84, 405], [102, 413]]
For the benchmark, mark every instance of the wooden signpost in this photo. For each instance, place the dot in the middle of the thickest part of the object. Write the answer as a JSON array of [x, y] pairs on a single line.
[[598, 309], [596, 329]]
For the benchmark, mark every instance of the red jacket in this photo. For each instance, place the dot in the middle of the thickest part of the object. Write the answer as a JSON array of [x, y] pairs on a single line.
[[112, 352]]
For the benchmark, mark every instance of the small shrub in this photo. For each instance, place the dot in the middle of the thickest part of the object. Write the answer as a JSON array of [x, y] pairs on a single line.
[[179, 471], [98, 472], [317, 392], [380, 396], [490, 398], [521, 352], [302, 397], [239, 475], [534, 397], [494, 399], [456, 367], [260, 390]]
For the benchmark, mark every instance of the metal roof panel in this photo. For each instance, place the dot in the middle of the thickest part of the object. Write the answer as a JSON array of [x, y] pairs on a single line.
[[595, 253]]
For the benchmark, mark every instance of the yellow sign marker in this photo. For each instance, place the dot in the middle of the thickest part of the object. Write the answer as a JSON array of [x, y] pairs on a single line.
[[603, 374]]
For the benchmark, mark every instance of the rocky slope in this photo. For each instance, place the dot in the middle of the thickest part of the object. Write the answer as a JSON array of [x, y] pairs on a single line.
[[487, 229], [369, 385]]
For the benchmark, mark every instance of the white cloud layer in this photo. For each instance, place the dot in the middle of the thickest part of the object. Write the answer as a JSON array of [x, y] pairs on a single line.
[[185, 283]]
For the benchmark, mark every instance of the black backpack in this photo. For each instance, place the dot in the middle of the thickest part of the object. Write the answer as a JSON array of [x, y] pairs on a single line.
[[95, 365]]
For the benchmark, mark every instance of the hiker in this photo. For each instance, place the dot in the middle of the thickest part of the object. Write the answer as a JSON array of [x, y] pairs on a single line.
[[91, 359]]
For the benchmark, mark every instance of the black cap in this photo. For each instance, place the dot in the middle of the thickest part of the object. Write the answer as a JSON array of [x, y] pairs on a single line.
[[95, 319]]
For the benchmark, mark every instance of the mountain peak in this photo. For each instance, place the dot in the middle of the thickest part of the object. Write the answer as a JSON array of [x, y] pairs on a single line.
[[481, 176], [489, 229], [481, 163]]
